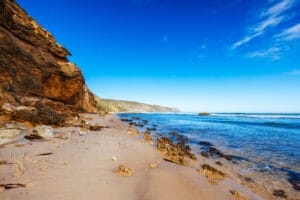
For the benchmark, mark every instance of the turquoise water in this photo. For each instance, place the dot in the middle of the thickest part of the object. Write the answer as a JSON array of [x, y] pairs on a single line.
[[262, 143]]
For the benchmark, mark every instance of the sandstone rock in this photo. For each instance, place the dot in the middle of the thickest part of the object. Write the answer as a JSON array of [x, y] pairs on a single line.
[[41, 132], [9, 108], [125, 171], [11, 133], [29, 108], [114, 158], [211, 173], [33, 63]]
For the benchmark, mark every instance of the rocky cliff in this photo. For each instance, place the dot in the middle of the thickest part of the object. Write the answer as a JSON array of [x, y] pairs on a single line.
[[34, 67]]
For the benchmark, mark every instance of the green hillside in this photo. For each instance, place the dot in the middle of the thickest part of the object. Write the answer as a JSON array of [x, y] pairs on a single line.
[[110, 105]]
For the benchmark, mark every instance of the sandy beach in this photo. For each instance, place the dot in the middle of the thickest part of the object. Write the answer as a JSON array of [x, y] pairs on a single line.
[[84, 165]]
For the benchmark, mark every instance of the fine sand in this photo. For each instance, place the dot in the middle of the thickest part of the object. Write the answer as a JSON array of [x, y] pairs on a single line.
[[84, 165]]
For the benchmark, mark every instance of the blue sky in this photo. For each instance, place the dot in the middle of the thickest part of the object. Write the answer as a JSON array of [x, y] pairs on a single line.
[[216, 56]]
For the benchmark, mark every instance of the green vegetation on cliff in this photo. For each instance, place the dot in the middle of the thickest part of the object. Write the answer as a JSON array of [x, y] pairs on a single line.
[[109, 105]]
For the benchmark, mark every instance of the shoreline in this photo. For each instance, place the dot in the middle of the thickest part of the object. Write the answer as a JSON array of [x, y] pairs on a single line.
[[86, 166]]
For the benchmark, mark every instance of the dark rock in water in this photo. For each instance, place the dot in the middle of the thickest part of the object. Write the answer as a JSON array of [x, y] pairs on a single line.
[[204, 154], [280, 193], [294, 179], [136, 124], [150, 129], [126, 120], [204, 114], [219, 163], [205, 143], [249, 180], [145, 121], [214, 151], [172, 133]]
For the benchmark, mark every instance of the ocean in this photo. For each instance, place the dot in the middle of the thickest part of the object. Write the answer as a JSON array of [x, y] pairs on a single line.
[[263, 146]]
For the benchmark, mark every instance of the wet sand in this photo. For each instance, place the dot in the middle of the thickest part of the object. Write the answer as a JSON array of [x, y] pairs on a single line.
[[84, 165]]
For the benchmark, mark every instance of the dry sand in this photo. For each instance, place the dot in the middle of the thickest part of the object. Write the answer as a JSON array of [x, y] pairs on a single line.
[[85, 166]]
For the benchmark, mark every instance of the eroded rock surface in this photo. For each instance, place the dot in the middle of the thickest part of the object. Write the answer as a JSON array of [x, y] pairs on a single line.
[[34, 66]]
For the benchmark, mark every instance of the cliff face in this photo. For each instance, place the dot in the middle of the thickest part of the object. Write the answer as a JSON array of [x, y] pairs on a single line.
[[34, 65]]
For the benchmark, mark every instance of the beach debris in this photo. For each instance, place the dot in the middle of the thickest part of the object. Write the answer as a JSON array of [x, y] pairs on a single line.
[[125, 171], [153, 165], [114, 158], [8, 186], [82, 133], [280, 193], [44, 154], [211, 173], [237, 195], [97, 127], [4, 162], [40, 133]]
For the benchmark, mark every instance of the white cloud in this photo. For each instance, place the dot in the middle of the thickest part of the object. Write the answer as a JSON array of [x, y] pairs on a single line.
[[278, 8], [271, 21], [245, 40], [271, 17], [273, 53], [291, 33]]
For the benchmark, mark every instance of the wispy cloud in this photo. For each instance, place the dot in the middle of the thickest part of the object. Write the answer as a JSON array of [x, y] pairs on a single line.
[[278, 8], [291, 33], [269, 17], [273, 53], [165, 39], [246, 40], [200, 51], [294, 73]]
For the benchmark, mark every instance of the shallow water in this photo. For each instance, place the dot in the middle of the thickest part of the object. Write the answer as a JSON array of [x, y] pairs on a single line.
[[267, 145]]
